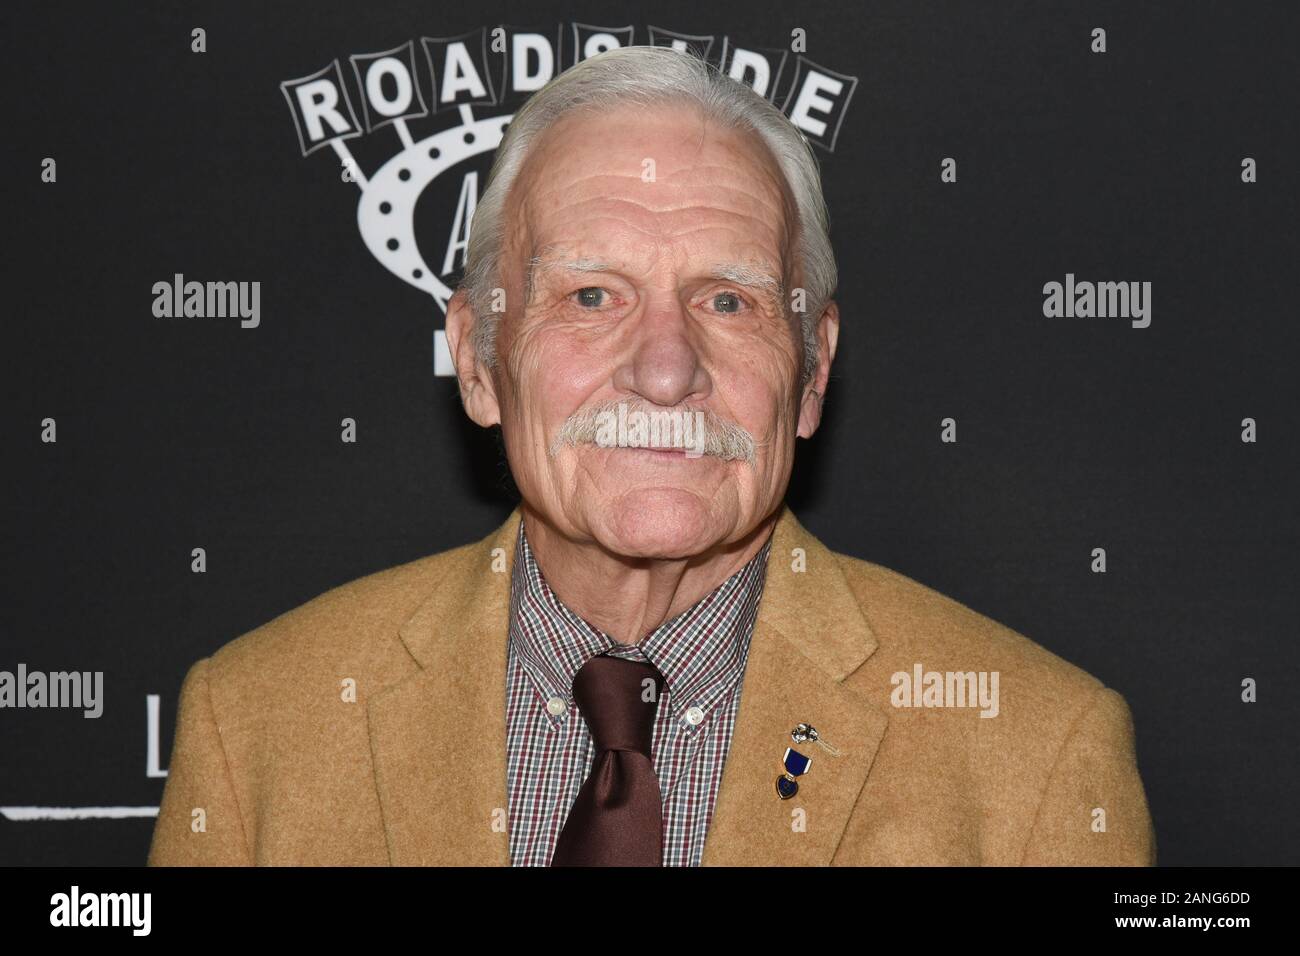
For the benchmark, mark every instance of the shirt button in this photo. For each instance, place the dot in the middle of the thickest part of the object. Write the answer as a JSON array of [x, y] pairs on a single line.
[[556, 706], [694, 715]]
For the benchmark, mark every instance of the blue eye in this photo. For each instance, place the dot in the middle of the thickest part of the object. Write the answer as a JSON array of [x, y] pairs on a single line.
[[732, 302], [590, 296]]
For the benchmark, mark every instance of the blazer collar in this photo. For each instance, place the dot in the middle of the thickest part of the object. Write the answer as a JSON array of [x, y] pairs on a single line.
[[438, 736]]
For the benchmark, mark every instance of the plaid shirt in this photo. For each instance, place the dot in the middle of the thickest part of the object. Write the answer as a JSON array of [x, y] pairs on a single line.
[[701, 653]]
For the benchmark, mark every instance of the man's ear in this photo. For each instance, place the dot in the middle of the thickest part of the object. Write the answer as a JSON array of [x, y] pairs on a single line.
[[477, 389], [814, 393]]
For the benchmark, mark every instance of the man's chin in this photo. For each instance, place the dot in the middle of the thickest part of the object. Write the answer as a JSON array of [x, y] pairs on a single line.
[[663, 523]]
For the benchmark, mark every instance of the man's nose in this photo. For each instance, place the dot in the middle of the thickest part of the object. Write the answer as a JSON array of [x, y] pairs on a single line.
[[663, 365]]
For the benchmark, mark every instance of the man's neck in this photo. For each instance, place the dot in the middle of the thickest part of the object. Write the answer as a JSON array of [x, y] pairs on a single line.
[[628, 598]]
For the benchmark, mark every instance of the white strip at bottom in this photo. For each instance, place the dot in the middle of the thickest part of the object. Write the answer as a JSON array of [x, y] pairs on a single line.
[[76, 813]]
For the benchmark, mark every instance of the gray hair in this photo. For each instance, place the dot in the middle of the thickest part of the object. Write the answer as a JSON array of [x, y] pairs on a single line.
[[643, 76], [714, 434]]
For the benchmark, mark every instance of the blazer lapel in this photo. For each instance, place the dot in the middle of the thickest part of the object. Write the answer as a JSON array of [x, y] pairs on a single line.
[[810, 634], [438, 738]]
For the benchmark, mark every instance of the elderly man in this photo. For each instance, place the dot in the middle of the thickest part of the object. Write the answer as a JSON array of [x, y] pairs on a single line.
[[651, 662]]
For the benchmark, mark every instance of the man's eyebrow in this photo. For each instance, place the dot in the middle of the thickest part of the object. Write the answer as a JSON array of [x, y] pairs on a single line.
[[540, 263], [754, 276]]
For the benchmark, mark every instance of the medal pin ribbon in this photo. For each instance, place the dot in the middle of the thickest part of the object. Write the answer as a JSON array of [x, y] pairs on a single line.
[[794, 764]]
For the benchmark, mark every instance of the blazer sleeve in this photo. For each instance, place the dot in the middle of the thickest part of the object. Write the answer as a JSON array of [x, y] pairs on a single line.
[[198, 779], [1094, 810]]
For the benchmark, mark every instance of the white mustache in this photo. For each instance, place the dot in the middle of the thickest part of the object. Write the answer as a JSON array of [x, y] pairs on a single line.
[[720, 439]]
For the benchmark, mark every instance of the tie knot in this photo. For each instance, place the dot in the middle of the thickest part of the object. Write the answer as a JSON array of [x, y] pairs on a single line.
[[618, 699]]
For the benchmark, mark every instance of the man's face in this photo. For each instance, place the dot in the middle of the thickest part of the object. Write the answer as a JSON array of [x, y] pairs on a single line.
[[633, 214]]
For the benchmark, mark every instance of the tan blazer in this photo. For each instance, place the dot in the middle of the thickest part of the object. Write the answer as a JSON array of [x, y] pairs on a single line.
[[368, 726]]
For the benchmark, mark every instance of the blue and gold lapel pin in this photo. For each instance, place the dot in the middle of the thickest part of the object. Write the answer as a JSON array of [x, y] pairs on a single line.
[[794, 764]]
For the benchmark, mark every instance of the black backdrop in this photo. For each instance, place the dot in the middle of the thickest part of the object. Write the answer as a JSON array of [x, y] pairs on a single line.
[[1074, 433]]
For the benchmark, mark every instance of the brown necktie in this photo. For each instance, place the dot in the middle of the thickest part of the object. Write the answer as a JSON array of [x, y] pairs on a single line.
[[616, 819]]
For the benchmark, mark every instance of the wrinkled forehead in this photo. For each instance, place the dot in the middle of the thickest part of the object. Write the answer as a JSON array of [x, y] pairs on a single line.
[[595, 160]]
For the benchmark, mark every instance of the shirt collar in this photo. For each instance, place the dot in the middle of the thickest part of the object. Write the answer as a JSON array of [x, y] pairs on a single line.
[[701, 652]]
